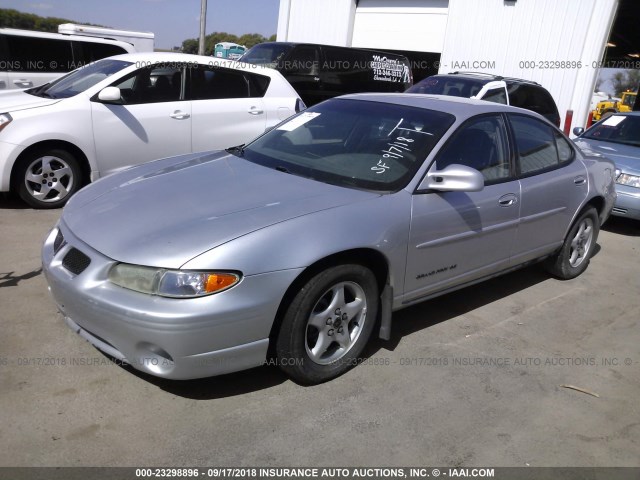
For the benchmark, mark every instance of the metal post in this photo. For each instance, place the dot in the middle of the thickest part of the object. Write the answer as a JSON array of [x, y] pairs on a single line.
[[203, 24]]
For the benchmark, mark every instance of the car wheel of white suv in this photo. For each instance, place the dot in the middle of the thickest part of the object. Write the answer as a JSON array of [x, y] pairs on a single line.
[[47, 178]]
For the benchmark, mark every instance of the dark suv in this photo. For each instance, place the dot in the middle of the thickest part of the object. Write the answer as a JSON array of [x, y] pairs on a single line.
[[493, 88]]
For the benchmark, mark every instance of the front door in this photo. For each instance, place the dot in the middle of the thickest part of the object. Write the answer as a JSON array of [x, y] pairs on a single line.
[[458, 237], [153, 122]]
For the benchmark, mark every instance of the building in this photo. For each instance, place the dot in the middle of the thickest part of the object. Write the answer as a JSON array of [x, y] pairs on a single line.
[[559, 44]]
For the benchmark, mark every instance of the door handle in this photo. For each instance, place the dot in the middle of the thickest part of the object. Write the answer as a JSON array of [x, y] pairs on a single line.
[[179, 115], [508, 200], [579, 180], [255, 111], [23, 82]]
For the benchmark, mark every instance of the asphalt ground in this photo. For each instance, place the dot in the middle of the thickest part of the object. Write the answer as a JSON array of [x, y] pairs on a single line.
[[479, 377]]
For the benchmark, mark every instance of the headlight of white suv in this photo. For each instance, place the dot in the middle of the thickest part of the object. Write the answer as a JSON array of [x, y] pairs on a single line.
[[171, 283], [630, 180]]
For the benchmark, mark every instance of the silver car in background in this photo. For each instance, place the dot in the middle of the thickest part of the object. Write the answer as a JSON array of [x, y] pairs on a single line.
[[618, 138], [299, 246]]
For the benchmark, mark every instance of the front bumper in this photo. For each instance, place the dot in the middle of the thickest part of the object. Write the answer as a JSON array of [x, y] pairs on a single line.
[[628, 202], [165, 337], [8, 155]]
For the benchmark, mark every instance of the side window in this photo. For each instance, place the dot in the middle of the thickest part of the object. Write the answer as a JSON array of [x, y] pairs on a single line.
[[497, 95], [87, 52], [258, 84], [536, 144], [217, 83], [32, 54], [151, 85], [565, 152], [303, 60], [480, 144]]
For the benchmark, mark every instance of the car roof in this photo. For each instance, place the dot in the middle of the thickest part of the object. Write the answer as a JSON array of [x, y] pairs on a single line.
[[461, 107], [487, 77], [185, 59]]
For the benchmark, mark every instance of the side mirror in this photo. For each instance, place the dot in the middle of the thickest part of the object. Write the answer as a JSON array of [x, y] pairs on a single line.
[[454, 178], [578, 131], [110, 95]]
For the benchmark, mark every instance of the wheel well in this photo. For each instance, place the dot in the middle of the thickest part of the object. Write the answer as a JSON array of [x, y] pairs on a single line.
[[51, 144], [369, 258], [598, 203]]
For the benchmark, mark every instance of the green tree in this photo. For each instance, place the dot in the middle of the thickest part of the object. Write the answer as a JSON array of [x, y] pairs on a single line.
[[626, 80], [190, 45]]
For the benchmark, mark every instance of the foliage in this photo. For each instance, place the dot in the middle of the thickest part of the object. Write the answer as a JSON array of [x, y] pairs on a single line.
[[625, 80], [10, 18], [248, 40]]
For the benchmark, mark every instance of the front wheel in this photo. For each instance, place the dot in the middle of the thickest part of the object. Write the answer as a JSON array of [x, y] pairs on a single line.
[[48, 178], [328, 324], [573, 257]]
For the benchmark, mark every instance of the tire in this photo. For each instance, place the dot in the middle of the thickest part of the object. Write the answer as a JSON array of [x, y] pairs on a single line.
[[573, 257], [328, 324], [48, 178]]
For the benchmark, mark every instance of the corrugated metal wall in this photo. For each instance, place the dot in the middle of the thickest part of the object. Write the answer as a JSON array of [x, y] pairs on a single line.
[[521, 38], [527, 39]]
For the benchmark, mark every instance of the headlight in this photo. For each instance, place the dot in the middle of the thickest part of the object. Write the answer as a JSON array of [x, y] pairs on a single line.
[[5, 119], [171, 283], [630, 180]]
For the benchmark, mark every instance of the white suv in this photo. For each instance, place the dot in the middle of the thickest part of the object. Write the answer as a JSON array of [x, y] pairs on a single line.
[[131, 109]]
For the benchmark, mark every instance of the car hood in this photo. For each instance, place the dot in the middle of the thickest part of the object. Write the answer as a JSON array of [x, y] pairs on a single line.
[[14, 101], [626, 157], [167, 212]]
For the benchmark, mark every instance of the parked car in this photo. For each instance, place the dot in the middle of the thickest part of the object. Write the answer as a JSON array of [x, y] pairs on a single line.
[[130, 109], [618, 138], [492, 88], [319, 72], [29, 58], [301, 244]]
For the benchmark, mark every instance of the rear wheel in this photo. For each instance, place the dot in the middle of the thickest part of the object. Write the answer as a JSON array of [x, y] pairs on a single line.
[[328, 324], [574, 256], [47, 178]]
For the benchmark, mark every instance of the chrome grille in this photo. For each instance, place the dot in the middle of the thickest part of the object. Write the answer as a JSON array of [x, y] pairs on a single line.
[[75, 261]]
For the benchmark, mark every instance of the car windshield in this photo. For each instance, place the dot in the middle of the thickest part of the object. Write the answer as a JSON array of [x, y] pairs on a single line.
[[352, 143], [616, 129], [267, 54], [80, 79], [448, 85]]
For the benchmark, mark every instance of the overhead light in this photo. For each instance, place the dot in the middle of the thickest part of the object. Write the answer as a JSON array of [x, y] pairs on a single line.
[[634, 55], [611, 44]]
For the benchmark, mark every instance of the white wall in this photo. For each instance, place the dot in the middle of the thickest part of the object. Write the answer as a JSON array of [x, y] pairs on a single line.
[[417, 25], [496, 36], [316, 21]]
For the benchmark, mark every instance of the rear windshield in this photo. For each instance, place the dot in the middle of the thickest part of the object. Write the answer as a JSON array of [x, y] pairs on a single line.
[[617, 129], [267, 54], [352, 143], [445, 85]]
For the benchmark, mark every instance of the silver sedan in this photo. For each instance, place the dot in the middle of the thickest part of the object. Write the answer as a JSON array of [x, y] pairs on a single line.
[[298, 247]]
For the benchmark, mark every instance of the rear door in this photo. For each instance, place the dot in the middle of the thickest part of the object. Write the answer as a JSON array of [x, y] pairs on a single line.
[[554, 185], [33, 61], [227, 107]]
